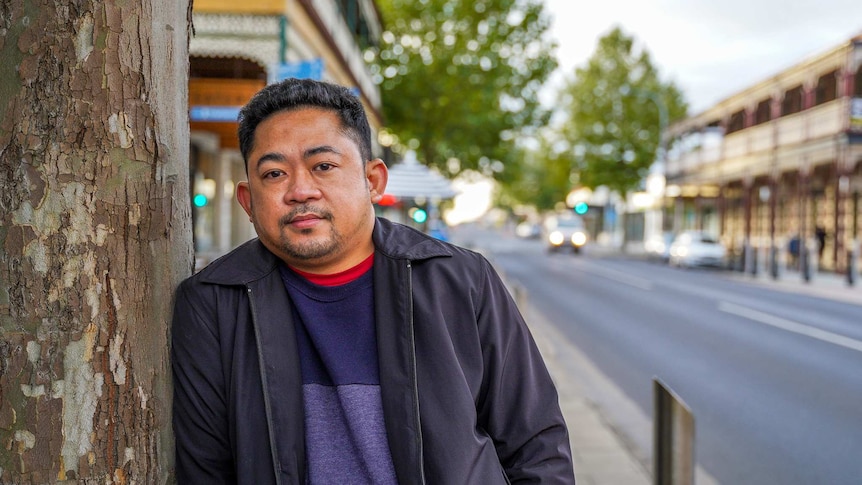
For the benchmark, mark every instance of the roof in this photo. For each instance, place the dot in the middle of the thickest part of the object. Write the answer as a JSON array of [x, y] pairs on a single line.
[[412, 179]]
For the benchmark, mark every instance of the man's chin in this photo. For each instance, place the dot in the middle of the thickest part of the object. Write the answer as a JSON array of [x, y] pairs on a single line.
[[308, 250]]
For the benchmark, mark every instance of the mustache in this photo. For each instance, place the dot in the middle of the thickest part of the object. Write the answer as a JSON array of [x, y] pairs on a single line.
[[304, 210]]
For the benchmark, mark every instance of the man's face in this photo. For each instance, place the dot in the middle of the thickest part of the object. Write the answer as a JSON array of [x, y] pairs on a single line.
[[309, 193]]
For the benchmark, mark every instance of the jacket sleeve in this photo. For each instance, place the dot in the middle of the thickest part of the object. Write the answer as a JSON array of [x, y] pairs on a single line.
[[519, 406], [203, 452]]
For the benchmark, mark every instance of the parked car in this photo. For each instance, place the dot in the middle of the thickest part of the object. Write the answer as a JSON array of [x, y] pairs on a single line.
[[528, 230], [697, 248], [565, 231], [658, 246]]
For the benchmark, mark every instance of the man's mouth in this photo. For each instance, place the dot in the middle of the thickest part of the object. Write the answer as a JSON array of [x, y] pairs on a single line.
[[302, 218], [303, 221]]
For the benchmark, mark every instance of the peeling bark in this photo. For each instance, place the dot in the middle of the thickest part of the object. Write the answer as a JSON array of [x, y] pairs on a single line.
[[94, 235]]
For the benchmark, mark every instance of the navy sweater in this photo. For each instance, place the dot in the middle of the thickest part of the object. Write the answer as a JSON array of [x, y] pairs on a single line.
[[344, 431]]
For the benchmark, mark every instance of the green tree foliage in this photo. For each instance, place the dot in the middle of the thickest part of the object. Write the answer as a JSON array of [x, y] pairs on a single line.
[[541, 179], [460, 78], [616, 107]]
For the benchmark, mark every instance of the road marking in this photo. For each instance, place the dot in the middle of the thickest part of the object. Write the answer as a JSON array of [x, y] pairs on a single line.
[[791, 326], [619, 277]]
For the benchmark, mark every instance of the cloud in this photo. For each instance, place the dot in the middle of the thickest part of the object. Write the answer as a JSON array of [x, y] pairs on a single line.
[[710, 49]]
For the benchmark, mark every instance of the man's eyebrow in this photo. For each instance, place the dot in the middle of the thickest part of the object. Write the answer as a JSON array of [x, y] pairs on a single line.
[[278, 157], [320, 149], [270, 157]]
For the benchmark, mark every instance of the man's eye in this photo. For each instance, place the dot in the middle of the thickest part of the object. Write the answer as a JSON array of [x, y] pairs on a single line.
[[273, 174], [323, 167]]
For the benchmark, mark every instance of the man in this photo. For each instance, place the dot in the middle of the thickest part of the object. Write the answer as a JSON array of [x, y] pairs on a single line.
[[342, 348]]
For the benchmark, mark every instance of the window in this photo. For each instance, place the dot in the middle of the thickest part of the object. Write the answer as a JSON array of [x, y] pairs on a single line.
[[857, 88], [351, 11], [792, 101], [737, 121], [764, 112], [827, 88]]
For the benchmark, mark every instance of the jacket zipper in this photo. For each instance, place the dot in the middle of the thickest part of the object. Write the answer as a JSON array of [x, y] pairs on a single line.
[[415, 379], [266, 405]]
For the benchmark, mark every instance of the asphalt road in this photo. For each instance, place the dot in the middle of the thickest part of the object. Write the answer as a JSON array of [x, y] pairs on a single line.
[[774, 379]]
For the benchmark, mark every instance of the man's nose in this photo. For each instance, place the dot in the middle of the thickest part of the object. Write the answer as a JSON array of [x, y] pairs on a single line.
[[302, 188]]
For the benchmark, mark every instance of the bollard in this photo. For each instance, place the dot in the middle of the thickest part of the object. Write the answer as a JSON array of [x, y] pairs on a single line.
[[773, 262], [852, 263], [673, 438], [804, 265], [520, 297], [746, 266]]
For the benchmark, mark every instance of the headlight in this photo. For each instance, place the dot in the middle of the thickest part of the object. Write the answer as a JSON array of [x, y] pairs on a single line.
[[579, 239], [556, 238]]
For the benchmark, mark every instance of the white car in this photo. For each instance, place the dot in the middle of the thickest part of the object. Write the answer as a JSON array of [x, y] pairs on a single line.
[[565, 231], [696, 248]]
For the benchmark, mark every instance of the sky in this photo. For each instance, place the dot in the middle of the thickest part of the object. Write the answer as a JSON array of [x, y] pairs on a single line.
[[711, 49]]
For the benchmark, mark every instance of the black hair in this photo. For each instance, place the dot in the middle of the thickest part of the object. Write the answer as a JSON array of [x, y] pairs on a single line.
[[292, 94]]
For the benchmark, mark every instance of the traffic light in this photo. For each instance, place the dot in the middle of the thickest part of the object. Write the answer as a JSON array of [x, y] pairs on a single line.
[[418, 215], [581, 208], [200, 200]]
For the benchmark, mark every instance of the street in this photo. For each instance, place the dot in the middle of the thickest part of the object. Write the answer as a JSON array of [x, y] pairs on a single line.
[[772, 378]]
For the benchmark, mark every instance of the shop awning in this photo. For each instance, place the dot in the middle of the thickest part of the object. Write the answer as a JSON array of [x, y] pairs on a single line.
[[411, 179]]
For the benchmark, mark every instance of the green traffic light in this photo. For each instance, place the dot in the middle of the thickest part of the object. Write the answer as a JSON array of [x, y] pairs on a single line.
[[200, 200], [581, 208], [420, 216]]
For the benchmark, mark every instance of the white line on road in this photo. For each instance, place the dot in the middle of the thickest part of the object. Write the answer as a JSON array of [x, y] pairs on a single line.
[[791, 326]]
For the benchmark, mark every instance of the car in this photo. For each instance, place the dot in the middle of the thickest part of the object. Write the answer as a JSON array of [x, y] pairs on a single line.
[[697, 248], [657, 247], [565, 231], [528, 230]]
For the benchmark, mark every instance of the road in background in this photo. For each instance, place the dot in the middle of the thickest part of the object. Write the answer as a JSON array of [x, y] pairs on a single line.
[[773, 378]]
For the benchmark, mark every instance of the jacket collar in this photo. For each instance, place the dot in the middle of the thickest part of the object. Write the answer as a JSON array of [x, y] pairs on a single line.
[[252, 261]]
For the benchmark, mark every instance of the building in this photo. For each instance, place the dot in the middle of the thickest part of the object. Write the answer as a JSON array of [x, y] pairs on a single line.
[[239, 47], [776, 165]]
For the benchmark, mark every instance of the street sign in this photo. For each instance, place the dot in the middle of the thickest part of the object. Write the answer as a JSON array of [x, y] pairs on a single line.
[[307, 69], [214, 113]]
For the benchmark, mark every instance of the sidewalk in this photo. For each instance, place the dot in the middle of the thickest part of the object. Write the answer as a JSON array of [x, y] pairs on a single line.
[[602, 456]]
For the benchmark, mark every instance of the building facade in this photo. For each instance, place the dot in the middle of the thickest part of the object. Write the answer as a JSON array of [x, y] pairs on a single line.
[[239, 47], [776, 170]]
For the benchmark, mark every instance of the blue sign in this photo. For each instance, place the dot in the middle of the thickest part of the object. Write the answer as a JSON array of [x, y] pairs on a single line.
[[214, 113], [310, 69]]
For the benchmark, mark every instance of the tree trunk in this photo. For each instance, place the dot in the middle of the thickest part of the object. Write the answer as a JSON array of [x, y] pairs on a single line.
[[94, 235]]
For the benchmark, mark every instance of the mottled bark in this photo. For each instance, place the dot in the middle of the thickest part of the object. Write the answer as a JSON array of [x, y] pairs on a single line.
[[94, 235]]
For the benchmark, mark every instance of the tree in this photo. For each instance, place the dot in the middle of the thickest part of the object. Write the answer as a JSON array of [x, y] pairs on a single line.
[[541, 180], [616, 107], [460, 78], [94, 235]]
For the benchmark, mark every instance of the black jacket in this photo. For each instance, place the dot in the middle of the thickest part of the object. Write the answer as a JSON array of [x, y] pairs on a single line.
[[466, 395]]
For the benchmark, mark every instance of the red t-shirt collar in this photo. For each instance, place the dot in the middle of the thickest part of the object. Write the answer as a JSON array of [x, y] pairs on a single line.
[[339, 278]]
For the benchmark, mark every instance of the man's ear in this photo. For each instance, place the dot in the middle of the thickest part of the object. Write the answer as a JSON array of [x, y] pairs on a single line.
[[243, 196], [377, 175]]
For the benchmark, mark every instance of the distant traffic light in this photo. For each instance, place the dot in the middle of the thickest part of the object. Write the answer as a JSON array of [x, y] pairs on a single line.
[[581, 208], [418, 215], [200, 200]]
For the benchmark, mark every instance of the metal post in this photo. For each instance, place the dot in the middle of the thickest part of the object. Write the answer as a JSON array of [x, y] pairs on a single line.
[[775, 261], [673, 438], [852, 262], [520, 297], [804, 257]]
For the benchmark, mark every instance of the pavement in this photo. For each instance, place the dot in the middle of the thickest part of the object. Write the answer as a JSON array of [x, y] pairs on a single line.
[[603, 453]]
